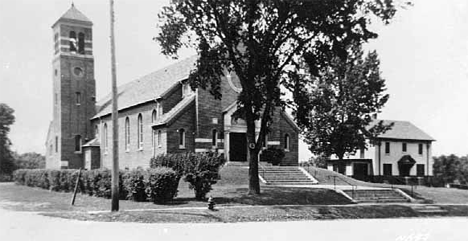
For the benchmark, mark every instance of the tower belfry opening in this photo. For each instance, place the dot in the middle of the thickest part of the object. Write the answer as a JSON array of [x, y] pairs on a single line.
[[74, 90]]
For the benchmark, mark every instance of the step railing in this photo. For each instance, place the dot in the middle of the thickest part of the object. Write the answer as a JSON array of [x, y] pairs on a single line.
[[262, 170], [353, 187], [399, 181]]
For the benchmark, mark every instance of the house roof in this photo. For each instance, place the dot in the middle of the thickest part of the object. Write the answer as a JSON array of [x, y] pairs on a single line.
[[403, 130], [174, 112], [148, 88], [74, 15]]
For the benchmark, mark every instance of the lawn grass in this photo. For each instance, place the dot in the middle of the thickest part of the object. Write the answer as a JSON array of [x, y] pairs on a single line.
[[232, 201], [247, 214], [231, 190]]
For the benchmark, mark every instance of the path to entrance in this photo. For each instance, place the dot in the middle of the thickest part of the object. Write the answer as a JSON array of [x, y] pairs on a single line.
[[28, 226]]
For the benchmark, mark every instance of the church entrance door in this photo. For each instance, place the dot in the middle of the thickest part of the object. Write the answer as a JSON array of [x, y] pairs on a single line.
[[238, 147]]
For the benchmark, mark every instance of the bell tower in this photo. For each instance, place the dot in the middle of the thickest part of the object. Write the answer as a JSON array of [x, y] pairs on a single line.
[[74, 90]]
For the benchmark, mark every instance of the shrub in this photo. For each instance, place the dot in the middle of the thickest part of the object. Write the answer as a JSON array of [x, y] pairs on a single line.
[[19, 176], [174, 161], [272, 155], [134, 183], [202, 171], [162, 184], [158, 185]]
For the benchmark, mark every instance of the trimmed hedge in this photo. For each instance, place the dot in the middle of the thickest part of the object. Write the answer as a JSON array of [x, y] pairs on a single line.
[[200, 170], [158, 185]]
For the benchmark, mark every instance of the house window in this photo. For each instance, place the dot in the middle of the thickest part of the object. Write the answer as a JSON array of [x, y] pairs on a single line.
[[420, 149], [403, 147], [182, 138], [78, 98], [73, 42], [77, 143], [387, 169], [140, 132], [127, 134], [420, 170], [387, 147], [286, 142], [214, 138], [159, 138], [106, 139], [81, 43], [56, 144], [96, 131]]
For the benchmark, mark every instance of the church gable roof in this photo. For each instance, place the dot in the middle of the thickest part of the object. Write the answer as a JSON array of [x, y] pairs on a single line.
[[170, 116], [74, 15], [147, 88], [403, 130]]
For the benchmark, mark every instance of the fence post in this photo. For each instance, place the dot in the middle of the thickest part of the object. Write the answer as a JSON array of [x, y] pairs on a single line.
[[76, 187]]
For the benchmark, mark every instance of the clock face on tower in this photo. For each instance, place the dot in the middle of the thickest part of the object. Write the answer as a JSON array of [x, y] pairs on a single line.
[[77, 71]]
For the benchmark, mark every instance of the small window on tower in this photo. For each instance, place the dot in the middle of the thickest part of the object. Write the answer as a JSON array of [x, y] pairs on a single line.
[[78, 98], [81, 43], [78, 143], [73, 42]]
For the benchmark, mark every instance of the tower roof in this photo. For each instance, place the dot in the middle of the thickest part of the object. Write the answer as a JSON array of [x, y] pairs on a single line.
[[73, 15]]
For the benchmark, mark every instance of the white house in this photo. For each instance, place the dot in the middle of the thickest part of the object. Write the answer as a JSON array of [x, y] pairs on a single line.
[[404, 150]]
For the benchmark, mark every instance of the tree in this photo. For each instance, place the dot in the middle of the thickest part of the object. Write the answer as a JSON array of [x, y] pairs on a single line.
[[6, 120], [343, 101], [29, 160], [446, 168], [263, 42]]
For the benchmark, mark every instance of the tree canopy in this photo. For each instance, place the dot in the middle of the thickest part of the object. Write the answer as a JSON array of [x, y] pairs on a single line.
[[6, 120], [265, 42], [29, 160], [342, 102]]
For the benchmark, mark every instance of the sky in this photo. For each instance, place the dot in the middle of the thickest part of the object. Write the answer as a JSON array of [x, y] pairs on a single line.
[[423, 53]]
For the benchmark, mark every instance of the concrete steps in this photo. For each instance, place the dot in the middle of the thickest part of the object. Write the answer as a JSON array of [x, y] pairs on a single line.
[[285, 175], [429, 210], [376, 196]]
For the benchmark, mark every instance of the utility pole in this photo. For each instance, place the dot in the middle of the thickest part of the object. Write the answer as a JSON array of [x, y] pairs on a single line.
[[115, 127]]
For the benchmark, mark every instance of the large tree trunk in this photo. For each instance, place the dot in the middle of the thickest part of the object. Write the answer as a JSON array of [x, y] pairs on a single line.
[[252, 153]]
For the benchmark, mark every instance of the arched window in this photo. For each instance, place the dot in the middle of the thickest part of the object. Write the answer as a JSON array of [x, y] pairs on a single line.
[[73, 42], [127, 134], [286, 142], [214, 138], [81, 43], [154, 116], [159, 138], [140, 132], [106, 139], [182, 138], [77, 143]]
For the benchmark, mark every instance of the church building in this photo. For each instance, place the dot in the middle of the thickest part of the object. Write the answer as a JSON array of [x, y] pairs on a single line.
[[158, 113]]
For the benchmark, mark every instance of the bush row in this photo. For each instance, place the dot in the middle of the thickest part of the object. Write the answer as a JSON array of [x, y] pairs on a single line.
[[158, 185], [200, 170]]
